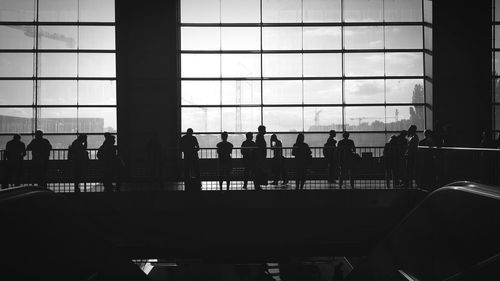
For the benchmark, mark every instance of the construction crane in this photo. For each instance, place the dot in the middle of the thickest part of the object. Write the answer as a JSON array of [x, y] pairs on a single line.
[[204, 109]]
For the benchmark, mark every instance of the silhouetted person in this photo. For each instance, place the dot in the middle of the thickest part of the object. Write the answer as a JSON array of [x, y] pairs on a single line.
[[78, 156], [224, 150], [346, 150], [15, 150], [190, 147], [154, 156], [428, 139], [401, 165], [108, 158], [278, 161], [302, 154], [331, 156], [391, 161], [411, 156], [338, 274], [260, 158], [248, 148], [40, 149]]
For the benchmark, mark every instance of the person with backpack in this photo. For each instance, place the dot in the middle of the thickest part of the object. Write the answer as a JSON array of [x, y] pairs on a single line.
[[40, 148], [107, 156], [78, 157]]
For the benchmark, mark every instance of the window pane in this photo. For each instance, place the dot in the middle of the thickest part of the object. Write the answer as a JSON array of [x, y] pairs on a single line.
[[322, 91], [282, 38], [241, 11], [240, 65], [403, 10], [97, 37], [61, 141], [57, 120], [95, 141], [496, 87], [364, 91], [240, 38], [364, 64], [282, 11], [241, 92], [363, 10], [57, 64], [201, 119], [17, 10], [282, 92], [200, 65], [497, 117], [321, 10], [16, 92], [16, 65], [322, 38], [364, 37], [428, 92], [57, 92], [283, 119], [58, 10], [428, 11], [200, 38], [16, 36], [428, 66], [96, 65], [240, 119], [57, 37], [403, 37], [200, 92], [97, 10], [428, 118], [282, 65], [96, 120], [16, 120], [369, 139], [317, 119], [428, 38], [200, 11], [322, 65], [364, 118], [404, 64], [404, 91], [402, 117], [96, 92]]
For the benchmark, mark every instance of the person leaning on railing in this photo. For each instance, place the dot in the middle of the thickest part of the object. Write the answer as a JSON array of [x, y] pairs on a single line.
[[40, 149], [15, 151]]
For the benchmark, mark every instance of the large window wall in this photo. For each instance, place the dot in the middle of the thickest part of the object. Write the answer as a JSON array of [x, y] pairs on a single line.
[[305, 66], [57, 69]]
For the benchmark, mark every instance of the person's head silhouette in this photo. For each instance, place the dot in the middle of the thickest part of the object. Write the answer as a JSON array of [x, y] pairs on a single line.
[[224, 136], [16, 137], [274, 137], [345, 135], [333, 134], [82, 137], [427, 133], [262, 129], [300, 138], [412, 130], [38, 134], [189, 132], [249, 136]]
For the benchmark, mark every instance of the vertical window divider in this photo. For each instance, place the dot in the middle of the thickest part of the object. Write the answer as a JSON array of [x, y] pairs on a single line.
[[35, 71], [261, 69], [342, 25]]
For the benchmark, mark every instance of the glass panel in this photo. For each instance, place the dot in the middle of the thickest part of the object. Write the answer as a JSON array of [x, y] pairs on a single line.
[[57, 93], [95, 141], [241, 11], [364, 118], [57, 37], [320, 119], [97, 10], [60, 141], [96, 92], [200, 11], [97, 37], [282, 92], [16, 65], [211, 140], [322, 38], [58, 10], [17, 10], [321, 10], [282, 11], [428, 38], [402, 117], [96, 120], [403, 10], [97, 65], [322, 65], [497, 62], [57, 65], [16, 120], [428, 11], [428, 65], [283, 119], [404, 91], [364, 64], [282, 38], [428, 118], [240, 119], [241, 92], [497, 117], [282, 65], [57, 120], [200, 38], [16, 92], [404, 64], [322, 91], [403, 37], [200, 92], [240, 65], [200, 65], [363, 10], [201, 119], [368, 139], [364, 37], [16, 36], [428, 92], [240, 38], [364, 91]]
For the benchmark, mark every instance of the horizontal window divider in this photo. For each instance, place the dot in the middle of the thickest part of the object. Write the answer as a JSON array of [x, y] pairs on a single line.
[[427, 24], [428, 52], [71, 23], [337, 51], [269, 133], [303, 78], [58, 134], [428, 79], [40, 51], [297, 105], [41, 106], [59, 78], [299, 24]]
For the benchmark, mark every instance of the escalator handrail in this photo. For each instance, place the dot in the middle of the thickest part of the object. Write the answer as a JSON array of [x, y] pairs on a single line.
[[22, 191]]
